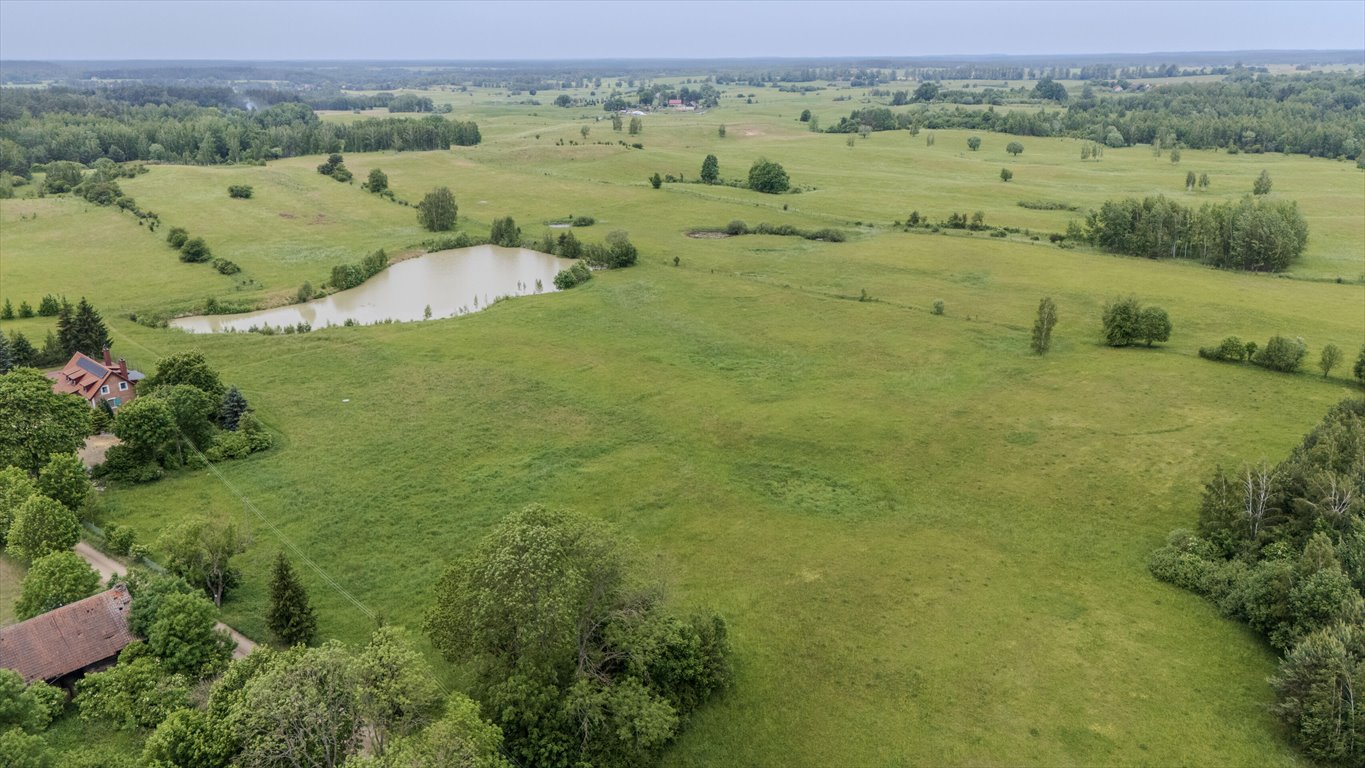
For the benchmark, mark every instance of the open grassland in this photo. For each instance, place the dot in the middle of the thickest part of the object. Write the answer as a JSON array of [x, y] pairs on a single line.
[[11, 577], [929, 543]]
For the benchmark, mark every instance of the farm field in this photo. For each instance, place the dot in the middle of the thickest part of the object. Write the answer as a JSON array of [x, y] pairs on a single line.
[[929, 543]]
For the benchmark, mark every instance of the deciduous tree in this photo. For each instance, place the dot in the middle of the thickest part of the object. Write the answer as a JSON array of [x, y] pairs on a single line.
[[63, 478], [41, 526], [768, 176], [38, 422], [437, 211], [1331, 357], [201, 552], [54, 580], [1043, 325], [187, 368], [547, 608]]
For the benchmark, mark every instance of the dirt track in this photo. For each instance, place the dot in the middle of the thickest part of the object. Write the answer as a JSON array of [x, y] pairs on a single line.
[[108, 567]]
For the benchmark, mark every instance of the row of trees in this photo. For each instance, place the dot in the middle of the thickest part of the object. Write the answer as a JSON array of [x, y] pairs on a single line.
[[40, 126], [1283, 549], [1253, 234], [1317, 114], [1282, 354]]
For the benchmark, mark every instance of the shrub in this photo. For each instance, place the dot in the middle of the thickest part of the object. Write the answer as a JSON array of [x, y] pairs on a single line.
[[226, 267], [656, 181], [240, 191], [1281, 354], [574, 275], [120, 539], [937, 307], [177, 236], [584, 221], [195, 251], [736, 227], [1230, 350]]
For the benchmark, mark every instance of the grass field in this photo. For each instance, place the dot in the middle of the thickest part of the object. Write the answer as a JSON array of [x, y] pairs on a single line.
[[928, 542], [11, 577]]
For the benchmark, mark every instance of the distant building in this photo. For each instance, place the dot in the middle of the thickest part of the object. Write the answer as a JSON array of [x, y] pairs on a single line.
[[675, 102], [110, 381], [63, 644]]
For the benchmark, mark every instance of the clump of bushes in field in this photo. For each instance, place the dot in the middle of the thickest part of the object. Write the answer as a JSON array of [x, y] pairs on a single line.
[[574, 275], [1229, 350], [1126, 322], [240, 191], [1281, 354], [1282, 548], [183, 417], [99, 187], [350, 275], [335, 167], [737, 227], [1046, 205], [1253, 234], [976, 223]]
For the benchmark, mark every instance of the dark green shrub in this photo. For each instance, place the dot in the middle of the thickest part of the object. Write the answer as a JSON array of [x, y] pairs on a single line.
[[1281, 354], [177, 236], [195, 251], [226, 267], [240, 191]]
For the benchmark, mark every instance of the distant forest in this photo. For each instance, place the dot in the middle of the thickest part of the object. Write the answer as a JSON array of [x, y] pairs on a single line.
[[178, 111], [203, 125], [1318, 114]]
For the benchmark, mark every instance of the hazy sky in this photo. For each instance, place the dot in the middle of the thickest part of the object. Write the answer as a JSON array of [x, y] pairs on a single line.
[[373, 29]]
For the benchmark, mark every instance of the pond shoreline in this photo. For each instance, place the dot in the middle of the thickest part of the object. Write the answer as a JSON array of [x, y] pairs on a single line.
[[416, 286]]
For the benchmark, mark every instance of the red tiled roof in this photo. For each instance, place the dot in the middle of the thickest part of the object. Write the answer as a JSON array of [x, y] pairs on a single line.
[[69, 638]]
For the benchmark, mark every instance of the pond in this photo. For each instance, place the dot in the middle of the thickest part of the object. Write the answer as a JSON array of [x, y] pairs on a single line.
[[451, 283]]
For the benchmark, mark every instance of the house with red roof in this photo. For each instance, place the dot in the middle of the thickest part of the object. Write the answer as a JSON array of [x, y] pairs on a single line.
[[94, 381]]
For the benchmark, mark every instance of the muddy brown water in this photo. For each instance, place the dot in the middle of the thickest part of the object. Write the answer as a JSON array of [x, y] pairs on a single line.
[[453, 282]]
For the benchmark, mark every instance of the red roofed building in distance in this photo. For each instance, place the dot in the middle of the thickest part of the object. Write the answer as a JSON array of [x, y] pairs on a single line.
[[95, 381], [56, 646]]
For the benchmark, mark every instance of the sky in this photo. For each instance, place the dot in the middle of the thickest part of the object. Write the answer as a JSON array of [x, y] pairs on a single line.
[[429, 29]]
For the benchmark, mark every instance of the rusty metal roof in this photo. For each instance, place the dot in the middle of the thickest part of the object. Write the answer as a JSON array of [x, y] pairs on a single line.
[[69, 638]]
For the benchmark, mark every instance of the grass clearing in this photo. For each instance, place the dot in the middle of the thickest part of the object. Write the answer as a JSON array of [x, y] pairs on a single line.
[[930, 545]]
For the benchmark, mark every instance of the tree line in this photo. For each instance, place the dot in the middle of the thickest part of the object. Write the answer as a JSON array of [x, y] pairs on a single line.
[[40, 126], [1315, 114]]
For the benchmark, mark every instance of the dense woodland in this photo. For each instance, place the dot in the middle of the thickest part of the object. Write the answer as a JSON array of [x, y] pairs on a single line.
[[193, 126], [1321, 114]]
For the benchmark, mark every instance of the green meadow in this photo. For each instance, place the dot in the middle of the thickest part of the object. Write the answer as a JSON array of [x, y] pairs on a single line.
[[929, 543]]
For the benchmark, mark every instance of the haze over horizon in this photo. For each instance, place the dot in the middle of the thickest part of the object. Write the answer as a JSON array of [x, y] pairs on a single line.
[[535, 30]]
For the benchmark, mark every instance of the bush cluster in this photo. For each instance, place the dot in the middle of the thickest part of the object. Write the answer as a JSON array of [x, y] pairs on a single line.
[[350, 275], [574, 275], [737, 227], [336, 168]]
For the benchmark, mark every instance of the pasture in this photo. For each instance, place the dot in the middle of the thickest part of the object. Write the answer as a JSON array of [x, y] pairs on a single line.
[[929, 543]]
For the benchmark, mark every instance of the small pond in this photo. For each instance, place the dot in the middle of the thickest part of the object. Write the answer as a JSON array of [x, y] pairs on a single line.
[[453, 282]]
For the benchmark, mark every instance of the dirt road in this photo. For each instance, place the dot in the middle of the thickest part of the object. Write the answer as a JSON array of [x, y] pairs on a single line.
[[108, 566]]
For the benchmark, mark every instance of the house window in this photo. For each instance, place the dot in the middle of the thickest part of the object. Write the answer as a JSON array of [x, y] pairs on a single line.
[[115, 402], [122, 385], [104, 390]]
